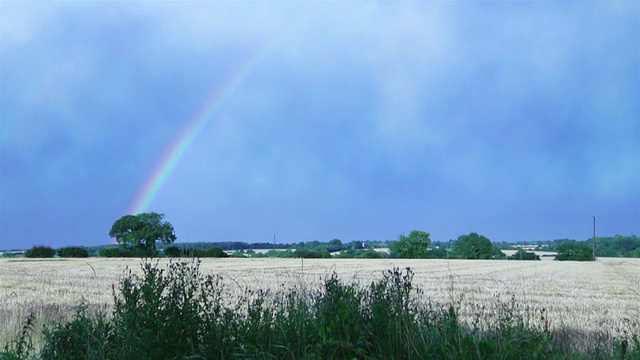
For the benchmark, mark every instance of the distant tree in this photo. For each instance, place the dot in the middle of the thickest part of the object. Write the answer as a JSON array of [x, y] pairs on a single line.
[[73, 251], [112, 252], [473, 246], [368, 254], [414, 246], [498, 254], [574, 251], [334, 245], [140, 233], [524, 255], [215, 252], [40, 252], [172, 251]]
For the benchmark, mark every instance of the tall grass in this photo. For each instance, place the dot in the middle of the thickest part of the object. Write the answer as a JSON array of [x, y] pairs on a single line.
[[177, 311]]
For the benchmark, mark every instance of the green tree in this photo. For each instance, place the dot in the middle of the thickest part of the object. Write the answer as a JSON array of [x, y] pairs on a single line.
[[414, 246], [40, 251], [73, 251], [473, 246], [141, 232], [574, 251]]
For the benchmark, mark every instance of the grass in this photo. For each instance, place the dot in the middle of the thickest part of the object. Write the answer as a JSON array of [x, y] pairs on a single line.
[[586, 307]]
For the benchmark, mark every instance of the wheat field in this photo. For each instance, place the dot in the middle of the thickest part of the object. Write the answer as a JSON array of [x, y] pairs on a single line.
[[601, 297]]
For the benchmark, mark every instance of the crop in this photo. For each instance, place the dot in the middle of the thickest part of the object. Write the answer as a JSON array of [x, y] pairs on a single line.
[[587, 307]]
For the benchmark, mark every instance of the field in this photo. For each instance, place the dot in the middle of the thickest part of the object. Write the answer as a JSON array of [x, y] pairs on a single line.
[[582, 300]]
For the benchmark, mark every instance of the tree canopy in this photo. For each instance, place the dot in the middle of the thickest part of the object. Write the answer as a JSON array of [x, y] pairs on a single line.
[[574, 251], [141, 232], [473, 246], [413, 246]]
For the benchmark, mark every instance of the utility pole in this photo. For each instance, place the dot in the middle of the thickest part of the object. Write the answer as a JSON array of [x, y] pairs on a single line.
[[594, 237], [274, 244]]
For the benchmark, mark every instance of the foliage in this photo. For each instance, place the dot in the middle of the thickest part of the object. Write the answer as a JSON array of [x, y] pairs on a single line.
[[415, 246], [73, 252], [111, 252], [368, 254], [172, 251], [177, 312], [212, 252], [574, 251], [311, 254], [141, 232], [498, 254], [473, 246], [524, 255], [40, 251]]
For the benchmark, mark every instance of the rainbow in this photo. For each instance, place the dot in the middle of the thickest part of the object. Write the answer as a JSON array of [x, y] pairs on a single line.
[[179, 146]]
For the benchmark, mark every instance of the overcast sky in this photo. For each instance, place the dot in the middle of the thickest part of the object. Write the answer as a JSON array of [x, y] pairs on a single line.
[[320, 120]]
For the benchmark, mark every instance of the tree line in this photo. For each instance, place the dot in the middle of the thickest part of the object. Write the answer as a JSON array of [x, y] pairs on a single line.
[[149, 235]]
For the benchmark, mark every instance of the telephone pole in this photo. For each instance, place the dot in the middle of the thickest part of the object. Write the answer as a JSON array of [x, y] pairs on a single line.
[[274, 244], [594, 236]]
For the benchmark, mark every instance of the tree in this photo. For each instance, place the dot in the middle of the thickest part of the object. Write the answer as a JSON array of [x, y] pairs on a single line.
[[574, 251], [473, 246], [414, 246], [73, 251], [40, 251], [141, 232]]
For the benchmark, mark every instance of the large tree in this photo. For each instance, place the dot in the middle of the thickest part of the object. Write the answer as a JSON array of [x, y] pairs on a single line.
[[473, 246], [413, 246], [141, 232]]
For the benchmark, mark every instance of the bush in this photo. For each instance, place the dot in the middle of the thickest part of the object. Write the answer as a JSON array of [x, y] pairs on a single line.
[[40, 252], [178, 312], [114, 252], [524, 255], [369, 254], [73, 252], [213, 252], [111, 252]]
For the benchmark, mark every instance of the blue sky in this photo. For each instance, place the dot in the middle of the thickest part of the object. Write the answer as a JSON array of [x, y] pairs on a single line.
[[358, 121]]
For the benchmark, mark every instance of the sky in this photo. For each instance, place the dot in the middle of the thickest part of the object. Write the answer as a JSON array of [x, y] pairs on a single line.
[[319, 120]]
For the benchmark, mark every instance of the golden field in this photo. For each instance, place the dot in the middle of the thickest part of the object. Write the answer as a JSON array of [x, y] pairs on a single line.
[[579, 297]]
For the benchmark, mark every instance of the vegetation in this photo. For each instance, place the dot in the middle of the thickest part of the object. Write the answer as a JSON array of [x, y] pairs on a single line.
[[73, 252], [139, 233], [574, 251], [473, 246], [524, 255], [40, 251], [172, 251], [416, 245], [212, 252], [179, 312]]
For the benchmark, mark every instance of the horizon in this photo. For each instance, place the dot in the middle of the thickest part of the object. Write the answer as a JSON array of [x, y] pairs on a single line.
[[319, 120], [343, 242]]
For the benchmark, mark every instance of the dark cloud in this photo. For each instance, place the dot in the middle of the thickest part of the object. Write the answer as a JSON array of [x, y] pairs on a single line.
[[358, 121]]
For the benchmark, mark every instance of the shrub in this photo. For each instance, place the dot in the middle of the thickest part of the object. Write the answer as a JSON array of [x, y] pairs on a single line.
[[213, 252], [111, 252], [524, 255], [311, 254], [40, 252], [369, 254], [73, 251], [178, 312]]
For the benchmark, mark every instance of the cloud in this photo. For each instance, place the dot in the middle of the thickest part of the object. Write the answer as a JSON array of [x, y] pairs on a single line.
[[359, 118]]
